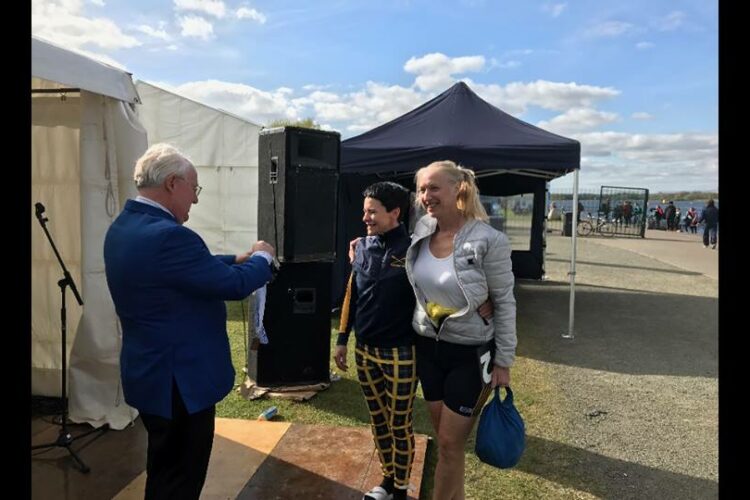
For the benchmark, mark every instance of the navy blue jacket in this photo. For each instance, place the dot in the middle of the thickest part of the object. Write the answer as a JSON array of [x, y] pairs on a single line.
[[381, 302], [710, 216], [169, 294]]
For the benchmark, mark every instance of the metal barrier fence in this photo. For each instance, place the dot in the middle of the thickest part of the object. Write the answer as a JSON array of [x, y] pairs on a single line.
[[608, 211]]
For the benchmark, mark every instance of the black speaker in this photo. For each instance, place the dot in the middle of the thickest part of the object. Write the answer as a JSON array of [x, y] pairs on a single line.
[[297, 320], [298, 173]]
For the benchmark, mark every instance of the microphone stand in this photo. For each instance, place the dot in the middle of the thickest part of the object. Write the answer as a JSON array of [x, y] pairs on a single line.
[[64, 438]]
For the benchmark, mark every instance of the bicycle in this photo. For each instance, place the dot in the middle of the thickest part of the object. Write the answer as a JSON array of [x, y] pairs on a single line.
[[603, 227]]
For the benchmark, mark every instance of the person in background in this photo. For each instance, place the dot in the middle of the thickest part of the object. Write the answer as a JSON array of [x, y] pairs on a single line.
[[604, 209], [710, 218], [554, 212], [627, 212], [692, 217], [669, 214], [169, 292], [658, 215], [457, 261]]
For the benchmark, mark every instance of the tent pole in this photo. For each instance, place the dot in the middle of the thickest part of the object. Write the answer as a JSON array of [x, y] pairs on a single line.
[[544, 231], [574, 231]]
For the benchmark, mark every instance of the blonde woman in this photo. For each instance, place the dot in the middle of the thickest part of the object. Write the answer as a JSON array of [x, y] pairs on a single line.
[[456, 261]]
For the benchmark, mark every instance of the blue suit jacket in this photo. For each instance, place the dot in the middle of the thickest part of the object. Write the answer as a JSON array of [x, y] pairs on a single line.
[[169, 293]]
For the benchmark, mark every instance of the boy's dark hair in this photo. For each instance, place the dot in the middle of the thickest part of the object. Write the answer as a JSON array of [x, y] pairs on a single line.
[[390, 194]]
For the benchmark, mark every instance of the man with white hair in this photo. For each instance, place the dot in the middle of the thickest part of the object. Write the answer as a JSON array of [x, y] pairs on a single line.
[[169, 293]]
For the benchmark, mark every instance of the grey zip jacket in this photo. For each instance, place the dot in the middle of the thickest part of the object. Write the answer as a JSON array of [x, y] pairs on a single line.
[[481, 256]]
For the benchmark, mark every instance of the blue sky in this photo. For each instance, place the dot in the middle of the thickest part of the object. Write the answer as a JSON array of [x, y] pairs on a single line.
[[636, 82]]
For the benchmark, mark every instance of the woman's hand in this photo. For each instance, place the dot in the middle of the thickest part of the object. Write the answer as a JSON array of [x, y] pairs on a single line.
[[500, 376], [352, 246], [486, 310], [339, 356]]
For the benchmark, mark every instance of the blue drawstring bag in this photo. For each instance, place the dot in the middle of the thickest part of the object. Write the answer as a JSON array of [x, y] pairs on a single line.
[[501, 432]]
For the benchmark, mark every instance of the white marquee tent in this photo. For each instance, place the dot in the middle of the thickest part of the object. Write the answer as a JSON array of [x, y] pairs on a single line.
[[87, 133], [85, 140], [224, 149]]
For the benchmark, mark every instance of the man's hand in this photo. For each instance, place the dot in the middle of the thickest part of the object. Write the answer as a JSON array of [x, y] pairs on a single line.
[[500, 376], [262, 246], [352, 246], [339, 356], [258, 246], [239, 259]]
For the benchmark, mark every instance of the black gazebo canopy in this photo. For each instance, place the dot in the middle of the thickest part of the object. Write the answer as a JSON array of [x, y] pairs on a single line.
[[460, 126], [508, 155]]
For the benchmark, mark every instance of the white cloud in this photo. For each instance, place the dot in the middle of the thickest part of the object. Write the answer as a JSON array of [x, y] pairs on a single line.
[[246, 13], [377, 103], [314, 86], [214, 8], [195, 26], [520, 52], [365, 109], [516, 97], [650, 161], [321, 97], [661, 148], [610, 29], [435, 71], [154, 32], [610, 158], [672, 21], [256, 105], [688, 175], [642, 115], [554, 9], [62, 22], [576, 120], [98, 3], [644, 45], [494, 63]]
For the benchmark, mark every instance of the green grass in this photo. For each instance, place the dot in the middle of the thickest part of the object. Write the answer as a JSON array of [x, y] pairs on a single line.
[[342, 405]]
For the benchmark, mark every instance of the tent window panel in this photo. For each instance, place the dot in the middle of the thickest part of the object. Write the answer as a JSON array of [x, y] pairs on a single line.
[[512, 215]]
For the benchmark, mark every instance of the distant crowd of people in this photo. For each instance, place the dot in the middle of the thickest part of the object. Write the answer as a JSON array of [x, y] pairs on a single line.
[[626, 213], [709, 218]]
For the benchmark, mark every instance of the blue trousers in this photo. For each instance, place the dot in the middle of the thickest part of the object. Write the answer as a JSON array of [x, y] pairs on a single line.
[[709, 233]]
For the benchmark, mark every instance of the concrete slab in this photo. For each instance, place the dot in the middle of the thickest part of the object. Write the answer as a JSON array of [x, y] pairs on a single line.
[[249, 460], [325, 463], [116, 458]]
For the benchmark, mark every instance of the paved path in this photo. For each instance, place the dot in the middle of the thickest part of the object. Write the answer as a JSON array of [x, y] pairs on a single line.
[[681, 250], [635, 393]]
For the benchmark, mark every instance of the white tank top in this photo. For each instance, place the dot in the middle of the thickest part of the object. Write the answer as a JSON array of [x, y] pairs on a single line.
[[436, 278]]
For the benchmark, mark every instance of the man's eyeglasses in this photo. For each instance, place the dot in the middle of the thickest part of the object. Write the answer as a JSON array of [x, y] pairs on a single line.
[[197, 189]]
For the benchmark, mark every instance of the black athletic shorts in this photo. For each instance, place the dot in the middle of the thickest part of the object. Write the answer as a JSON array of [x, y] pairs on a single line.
[[458, 375]]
